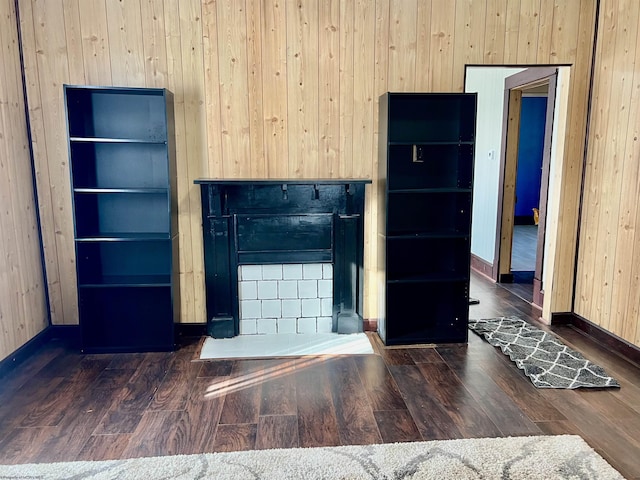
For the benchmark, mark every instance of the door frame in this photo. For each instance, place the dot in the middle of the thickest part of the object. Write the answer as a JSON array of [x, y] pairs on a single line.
[[514, 87]]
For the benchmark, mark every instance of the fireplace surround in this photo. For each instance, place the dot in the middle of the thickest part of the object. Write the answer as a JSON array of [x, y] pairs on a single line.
[[284, 221]]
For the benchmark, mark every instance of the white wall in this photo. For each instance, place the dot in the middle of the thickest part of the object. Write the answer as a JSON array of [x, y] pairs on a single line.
[[488, 82]]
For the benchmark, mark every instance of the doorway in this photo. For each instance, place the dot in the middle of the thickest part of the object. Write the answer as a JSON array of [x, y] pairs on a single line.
[[527, 139]]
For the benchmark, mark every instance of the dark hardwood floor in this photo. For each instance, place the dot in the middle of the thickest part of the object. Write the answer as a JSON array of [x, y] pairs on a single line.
[[61, 405]]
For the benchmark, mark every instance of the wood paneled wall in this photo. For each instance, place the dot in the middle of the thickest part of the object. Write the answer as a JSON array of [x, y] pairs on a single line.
[[23, 312], [281, 88], [608, 277]]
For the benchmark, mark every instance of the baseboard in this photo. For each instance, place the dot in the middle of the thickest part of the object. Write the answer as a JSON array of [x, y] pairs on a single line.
[[370, 324], [190, 330], [611, 341], [482, 266], [24, 352]]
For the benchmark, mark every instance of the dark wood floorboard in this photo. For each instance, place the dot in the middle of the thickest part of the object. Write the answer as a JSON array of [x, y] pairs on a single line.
[[61, 405]]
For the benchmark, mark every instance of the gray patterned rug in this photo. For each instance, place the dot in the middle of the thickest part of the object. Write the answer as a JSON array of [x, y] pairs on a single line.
[[543, 357], [515, 458]]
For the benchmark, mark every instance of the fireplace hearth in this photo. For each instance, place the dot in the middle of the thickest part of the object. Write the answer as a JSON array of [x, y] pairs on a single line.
[[283, 222]]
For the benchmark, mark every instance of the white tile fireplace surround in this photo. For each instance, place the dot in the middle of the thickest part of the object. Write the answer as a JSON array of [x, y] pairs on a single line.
[[285, 298]]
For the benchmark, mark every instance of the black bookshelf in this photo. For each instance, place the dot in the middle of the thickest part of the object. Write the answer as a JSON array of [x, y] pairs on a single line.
[[426, 155], [122, 158]]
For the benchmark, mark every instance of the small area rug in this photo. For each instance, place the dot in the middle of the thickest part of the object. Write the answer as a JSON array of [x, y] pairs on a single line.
[[515, 458], [543, 357], [286, 345]]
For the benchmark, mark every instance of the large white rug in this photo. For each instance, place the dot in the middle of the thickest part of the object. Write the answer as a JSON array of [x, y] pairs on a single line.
[[541, 457], [286, 345]]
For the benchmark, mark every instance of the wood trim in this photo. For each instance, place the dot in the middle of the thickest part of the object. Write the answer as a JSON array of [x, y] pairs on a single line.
[[482, 267], [529, 77], [190, 329], [370, 324], [611, 342], [509, 165], [67, 333], [538, 286]]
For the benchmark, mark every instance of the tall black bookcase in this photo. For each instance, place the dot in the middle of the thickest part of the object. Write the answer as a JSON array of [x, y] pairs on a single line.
[[122, 156], [426, 155]]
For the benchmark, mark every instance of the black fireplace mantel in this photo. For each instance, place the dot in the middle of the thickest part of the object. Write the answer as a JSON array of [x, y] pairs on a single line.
[[252, 221]]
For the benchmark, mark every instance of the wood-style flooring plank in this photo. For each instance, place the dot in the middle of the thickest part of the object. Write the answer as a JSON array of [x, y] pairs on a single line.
[[203, 411], [379, 384], [215, 368], [317, 423], [278, 388], [397, 426], [463, 409], [233, 438], [243, 393], [158, 433], [277, 431], [430, 417], [104, 447], [499, 407], [356, 423], [24, 445]]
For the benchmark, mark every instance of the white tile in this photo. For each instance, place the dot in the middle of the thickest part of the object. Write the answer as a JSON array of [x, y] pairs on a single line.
[[248, 290], [324, 324], [326, 307], [250, 309], [250, 272], [287, 325], [267, 289], [311, 307], [325, 288], [291, 308], [307, 288], [312, 271], [267, 325], [271, 309], [287, 289], [292, 271], [272, 272], [327, 271], [306, 325], [248, 327]]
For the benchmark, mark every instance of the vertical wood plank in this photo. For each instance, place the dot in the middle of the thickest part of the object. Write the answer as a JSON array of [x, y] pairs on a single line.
[[274, 77], [423, 32], [124, 25], [38, 144], [329, 88], [190, 15], [443, 14], [545, 30], [154, 43], [469, 38], [183, 182], [302, 78], [403, 37], [528, 31], [495, 31], [53, 72], [212, 88], [258, 165], [512, 27], [73, 34], [95, 42], [234, 108], [347, 25]]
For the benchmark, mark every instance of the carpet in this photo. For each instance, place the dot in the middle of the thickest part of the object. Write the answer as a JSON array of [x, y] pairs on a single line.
[[540, 457], [543, 357], [286, 345]]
